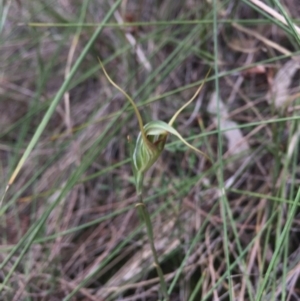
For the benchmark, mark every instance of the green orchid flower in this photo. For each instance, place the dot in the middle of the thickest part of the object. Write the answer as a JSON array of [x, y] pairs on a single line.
[[152, 137], [149, 145]]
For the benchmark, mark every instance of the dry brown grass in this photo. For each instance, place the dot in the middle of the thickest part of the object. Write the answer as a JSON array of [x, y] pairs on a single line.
[[92, 241]]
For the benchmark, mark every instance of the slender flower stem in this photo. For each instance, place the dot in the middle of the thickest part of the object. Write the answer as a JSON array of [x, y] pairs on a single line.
[[145, 214], [149, 145]]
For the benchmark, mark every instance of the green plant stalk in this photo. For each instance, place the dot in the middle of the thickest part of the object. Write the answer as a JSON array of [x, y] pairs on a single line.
[[145, 214], [198, 287], [288, 20], [224, 208], [155, 23], [287, 226]]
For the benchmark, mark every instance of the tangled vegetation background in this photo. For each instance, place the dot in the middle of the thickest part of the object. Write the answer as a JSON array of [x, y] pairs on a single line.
[[223, 230]]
